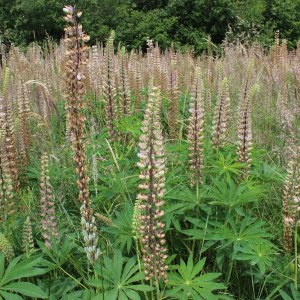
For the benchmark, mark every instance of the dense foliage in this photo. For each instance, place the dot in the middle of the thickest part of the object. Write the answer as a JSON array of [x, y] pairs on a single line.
[[162, 176], [183, 23]]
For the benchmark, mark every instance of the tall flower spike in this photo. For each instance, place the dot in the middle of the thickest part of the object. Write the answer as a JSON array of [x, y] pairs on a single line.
[[6, 184], [173, 99], [7, 199], [94, 71], [149, 212], [6, 247], [221, 116], [48, 218], [76, 55], [291, 200], [138, 83], [196, 130], [24, 114], [124, 101], [27, 239], [245, 132], [9, 140], [109, 87]]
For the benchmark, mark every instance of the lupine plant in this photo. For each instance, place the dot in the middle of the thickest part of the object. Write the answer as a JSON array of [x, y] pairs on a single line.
[[196, 177]]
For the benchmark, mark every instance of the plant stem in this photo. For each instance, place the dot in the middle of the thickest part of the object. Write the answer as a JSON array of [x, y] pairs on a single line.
[[78, 282], [158, 295], [202, 244], [152, 294], [229, 273], [296, 257], [139, 263]]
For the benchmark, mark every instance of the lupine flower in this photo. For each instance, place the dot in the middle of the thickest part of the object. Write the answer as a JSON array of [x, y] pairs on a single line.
[[27, 239], [245, 132], [6, 247], [221, 116], [147, 224], [76, 55], [173, 94], [48, 218], [290, 202], [195, 130], [109, 88]]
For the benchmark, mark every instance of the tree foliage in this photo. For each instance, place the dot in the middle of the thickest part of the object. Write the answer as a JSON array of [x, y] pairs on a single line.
[[181, 22]]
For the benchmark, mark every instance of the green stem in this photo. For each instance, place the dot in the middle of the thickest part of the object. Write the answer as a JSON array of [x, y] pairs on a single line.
[[139, 262], [202, 244], [229, 273], [158, 295], [152, 294], [296, 257], [78, 282]]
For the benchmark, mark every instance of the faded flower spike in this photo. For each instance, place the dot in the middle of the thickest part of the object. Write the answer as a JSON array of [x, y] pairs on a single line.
[[291, 200], [148, 212], [48, 218], [76, 56], [221, 116], [196, 131], [245, 132]]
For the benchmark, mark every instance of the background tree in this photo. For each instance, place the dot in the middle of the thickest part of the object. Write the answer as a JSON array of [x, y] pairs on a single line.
[[183, 23]]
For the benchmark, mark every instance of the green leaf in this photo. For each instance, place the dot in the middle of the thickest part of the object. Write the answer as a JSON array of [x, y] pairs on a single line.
[[132, 295], [296, 294], [186, 283], [199, 266], [9, 296], [129, 269], [26, 288], [26, 268], [2, 264], [284, 295], [140, 287]]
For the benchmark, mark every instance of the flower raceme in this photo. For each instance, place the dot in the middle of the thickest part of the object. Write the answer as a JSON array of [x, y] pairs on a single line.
[[48, 218], [291, 200], [147, 222], [76, 56], [196, 131]]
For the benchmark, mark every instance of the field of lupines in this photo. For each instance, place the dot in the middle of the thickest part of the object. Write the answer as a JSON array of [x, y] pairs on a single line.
[[155, 175]]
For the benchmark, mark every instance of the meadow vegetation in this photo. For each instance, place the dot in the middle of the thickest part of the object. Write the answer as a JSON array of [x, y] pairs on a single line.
[[157, 175]]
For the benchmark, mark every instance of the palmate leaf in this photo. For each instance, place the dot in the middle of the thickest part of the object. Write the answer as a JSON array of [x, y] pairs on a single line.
[[122, 228], [59, 287], [186, 284], [233, 196], [184, 200], [225, 166], [249, 229], [232, 232], [119, 281], [18, 269], [60, 252], [261, 254]]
